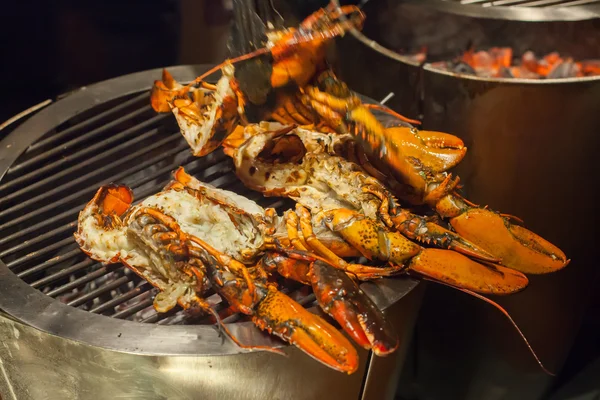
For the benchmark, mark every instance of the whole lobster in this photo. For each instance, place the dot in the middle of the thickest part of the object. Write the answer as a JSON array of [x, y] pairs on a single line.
[[191, 238]]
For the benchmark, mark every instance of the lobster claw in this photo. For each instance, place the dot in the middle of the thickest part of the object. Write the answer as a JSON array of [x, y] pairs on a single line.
[[437, 151], [517, 247], [460, 271], [340, 297], [280, 315]]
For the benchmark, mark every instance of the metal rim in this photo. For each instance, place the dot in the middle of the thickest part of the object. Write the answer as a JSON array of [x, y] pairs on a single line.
[[42, 312], [566, 81], [514, 13], [429, 67]]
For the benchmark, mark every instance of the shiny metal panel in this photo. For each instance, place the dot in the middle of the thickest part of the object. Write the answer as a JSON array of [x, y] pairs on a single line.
[[383, 372], [36, 365]]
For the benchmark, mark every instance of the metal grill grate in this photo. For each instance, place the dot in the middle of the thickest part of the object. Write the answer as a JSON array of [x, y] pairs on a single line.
[[519, 10], [42, 193]]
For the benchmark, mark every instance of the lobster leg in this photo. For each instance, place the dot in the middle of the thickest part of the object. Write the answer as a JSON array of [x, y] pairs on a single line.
[[362, 272], [280, 315], [417, 228], [447, 266]]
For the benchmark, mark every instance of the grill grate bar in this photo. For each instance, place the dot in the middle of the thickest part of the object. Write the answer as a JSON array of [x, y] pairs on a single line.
[[37, 239], [97, 292], [511, 3], [27, 257], [160, 316], [64, 272], [83, 124], [79, 140], [86, 177], [49, 263], [37, 226], [143, 288], [128, 312], [78, 282], [573, 3], [76, 267], [94, 149], [75, 210], [543, 3]]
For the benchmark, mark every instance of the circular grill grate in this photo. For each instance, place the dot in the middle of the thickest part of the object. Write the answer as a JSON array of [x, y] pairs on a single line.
[[41, 194]]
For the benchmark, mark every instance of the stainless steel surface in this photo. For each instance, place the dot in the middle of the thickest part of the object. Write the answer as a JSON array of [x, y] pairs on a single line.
[[518, 10], [35, 365], [383, 373]]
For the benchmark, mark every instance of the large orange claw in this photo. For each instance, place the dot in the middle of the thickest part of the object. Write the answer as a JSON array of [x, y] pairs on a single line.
[[460, 271], [437, 151], [282, 316], [516, 247], [340, 297]]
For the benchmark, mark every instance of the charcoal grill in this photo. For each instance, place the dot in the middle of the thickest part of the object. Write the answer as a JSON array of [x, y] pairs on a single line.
[[63, 311]]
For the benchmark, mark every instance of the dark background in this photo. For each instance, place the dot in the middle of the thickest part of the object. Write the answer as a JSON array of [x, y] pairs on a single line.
[[52, 47]]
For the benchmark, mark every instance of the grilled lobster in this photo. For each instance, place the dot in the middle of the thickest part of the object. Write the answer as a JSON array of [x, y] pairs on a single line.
[[336, 195], [192, 237]]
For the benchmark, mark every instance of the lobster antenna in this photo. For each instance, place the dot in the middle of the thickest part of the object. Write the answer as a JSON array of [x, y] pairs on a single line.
[[256, 53], [222, 327], [506, 314]]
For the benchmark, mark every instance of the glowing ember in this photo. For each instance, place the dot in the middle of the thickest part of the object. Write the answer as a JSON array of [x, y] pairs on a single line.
[[499, 62]]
